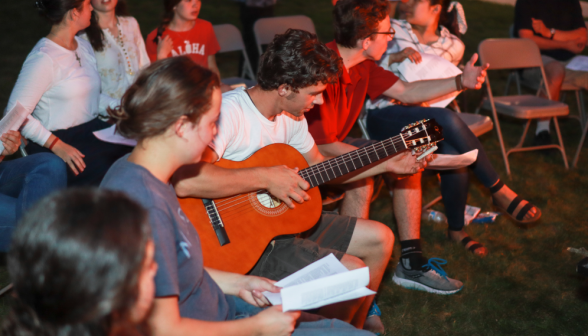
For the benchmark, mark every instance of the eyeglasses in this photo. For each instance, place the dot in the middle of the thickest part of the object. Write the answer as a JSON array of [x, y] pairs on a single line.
[[392, 32]]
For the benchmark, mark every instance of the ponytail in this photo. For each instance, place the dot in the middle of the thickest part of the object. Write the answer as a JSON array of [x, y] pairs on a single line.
[[168, 16], [95, 33]]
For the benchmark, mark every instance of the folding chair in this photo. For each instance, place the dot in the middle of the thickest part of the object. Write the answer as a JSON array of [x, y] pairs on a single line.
[[499, 54], [266, 28], [229, 39]]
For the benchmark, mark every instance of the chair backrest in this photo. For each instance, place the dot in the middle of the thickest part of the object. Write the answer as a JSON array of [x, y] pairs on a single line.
[[514, 53], [265, 29], [230, 39]]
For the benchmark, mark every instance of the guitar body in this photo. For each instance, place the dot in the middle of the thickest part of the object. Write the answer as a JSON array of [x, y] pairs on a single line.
[[251, 220]]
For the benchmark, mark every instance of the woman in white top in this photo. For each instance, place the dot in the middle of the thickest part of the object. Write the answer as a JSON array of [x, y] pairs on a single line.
[[430, 27], [118, 45], [59, 84]]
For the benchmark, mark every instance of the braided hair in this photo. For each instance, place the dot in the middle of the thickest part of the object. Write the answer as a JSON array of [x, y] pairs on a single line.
[[168, 16]]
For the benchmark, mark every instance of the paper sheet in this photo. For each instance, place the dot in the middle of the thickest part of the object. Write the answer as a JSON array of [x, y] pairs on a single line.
[[578, 63], [323, 282], [449, 162], [431, 67], [13, 120], [109, 135]]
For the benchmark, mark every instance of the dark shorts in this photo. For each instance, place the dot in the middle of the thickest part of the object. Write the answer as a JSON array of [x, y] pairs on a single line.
[[282, 257]]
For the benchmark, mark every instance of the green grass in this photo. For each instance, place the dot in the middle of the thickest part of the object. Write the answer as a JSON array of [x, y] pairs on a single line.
[[526, 286]]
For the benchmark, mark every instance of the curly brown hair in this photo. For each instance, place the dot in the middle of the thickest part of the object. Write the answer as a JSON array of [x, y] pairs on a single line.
[[298, 59]]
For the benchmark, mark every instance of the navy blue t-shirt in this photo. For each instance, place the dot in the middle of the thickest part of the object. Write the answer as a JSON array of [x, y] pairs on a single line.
[[559, 14], [178, 251]]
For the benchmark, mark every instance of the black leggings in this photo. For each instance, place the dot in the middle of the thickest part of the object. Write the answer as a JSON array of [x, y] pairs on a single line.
[[99, 155], [458, 139]]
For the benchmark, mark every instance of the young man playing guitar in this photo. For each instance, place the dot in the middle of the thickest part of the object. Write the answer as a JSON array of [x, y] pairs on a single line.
[[293, 73]]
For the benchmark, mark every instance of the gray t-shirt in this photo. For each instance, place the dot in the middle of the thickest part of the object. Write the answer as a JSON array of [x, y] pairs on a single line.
[[178, 251]]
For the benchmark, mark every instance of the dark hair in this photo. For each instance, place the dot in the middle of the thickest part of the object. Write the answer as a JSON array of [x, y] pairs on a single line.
[[168, 15], [357, 19], [55, 10], [75, 262], [95, 33], [298, 59], [447, 19], [163, 92]]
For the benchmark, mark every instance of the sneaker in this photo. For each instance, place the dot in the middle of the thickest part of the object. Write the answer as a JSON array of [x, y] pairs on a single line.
[[431, 278], [543, 138]]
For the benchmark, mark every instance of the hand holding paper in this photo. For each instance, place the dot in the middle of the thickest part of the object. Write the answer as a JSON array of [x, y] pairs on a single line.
[[321, 283], [13, 120]]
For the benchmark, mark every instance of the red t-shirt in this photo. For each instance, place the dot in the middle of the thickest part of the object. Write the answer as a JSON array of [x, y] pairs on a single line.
[[333, 120], [198, 43]]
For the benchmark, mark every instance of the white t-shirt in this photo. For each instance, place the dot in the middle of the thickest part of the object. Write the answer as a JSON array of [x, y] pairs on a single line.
[[243, 130], [58, 91], [118, 65]]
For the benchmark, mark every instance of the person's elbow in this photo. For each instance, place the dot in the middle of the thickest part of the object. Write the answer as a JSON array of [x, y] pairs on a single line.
[[526, 33]]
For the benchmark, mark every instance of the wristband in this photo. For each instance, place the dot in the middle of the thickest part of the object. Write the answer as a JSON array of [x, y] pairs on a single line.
[[53, 143], [458, 83]]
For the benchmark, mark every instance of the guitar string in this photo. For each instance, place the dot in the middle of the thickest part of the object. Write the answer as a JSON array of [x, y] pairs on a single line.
[[235, 201], [320, 169], [233, 209]]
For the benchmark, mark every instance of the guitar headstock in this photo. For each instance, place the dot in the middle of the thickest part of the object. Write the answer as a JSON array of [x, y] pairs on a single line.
[[422, 134]]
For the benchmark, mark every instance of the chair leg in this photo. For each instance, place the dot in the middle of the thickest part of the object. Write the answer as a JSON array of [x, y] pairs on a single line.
[[581, 112], [580, 145], [561, 145], [504, 155]]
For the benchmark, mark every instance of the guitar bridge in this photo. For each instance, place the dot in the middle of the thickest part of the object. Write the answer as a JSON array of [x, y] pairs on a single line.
[[216, 221]]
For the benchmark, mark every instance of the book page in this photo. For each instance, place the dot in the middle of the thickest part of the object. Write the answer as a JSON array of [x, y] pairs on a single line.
[[323, 282], [110, 135], [13, 120], [450, 162], [431, 67], [578, 63]]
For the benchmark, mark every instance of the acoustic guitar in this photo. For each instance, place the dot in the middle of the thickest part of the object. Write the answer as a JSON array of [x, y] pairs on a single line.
[[234, 231]]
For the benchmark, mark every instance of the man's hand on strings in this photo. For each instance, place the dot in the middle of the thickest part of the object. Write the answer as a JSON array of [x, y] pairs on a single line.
[[407, 164], [285, 184]]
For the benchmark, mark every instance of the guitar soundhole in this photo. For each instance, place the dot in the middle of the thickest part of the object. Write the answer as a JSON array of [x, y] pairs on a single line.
[[266, 204]]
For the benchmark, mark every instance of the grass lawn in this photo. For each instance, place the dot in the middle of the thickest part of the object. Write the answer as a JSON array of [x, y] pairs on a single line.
[[526, 286]]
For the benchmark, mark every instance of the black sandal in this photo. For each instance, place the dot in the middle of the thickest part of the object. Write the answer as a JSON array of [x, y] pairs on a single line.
[[513, 206], [465, 241]]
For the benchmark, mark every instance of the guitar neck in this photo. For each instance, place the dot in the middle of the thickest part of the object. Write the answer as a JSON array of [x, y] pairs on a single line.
[[344, 164]]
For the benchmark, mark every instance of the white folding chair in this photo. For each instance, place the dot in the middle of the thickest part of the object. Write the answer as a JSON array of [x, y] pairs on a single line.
[[265, 29], [510, 54], [230, 39]]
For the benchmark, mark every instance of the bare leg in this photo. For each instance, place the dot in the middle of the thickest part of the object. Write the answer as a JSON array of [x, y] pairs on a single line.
[[555, 72], [407, 202], [346, 311], [357, 198], [372, 242]]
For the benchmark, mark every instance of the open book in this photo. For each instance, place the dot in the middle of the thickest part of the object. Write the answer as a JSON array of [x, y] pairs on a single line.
[[13, 120], [431, 67], [321, 283]]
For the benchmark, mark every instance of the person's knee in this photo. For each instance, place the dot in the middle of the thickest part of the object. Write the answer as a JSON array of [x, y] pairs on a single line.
[[50, 166], [352, 262], [412, 182], [363, 188], [377, 236], [555, 72]]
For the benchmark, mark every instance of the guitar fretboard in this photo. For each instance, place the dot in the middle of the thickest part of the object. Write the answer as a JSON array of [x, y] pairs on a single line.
[[336, 167]]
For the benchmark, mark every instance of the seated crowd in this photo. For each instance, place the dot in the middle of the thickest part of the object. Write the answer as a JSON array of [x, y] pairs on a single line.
[[115, 253]]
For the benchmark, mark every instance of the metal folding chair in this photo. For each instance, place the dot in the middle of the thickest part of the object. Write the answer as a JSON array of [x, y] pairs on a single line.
[[266, 28], [510, 54], [230, 39]]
